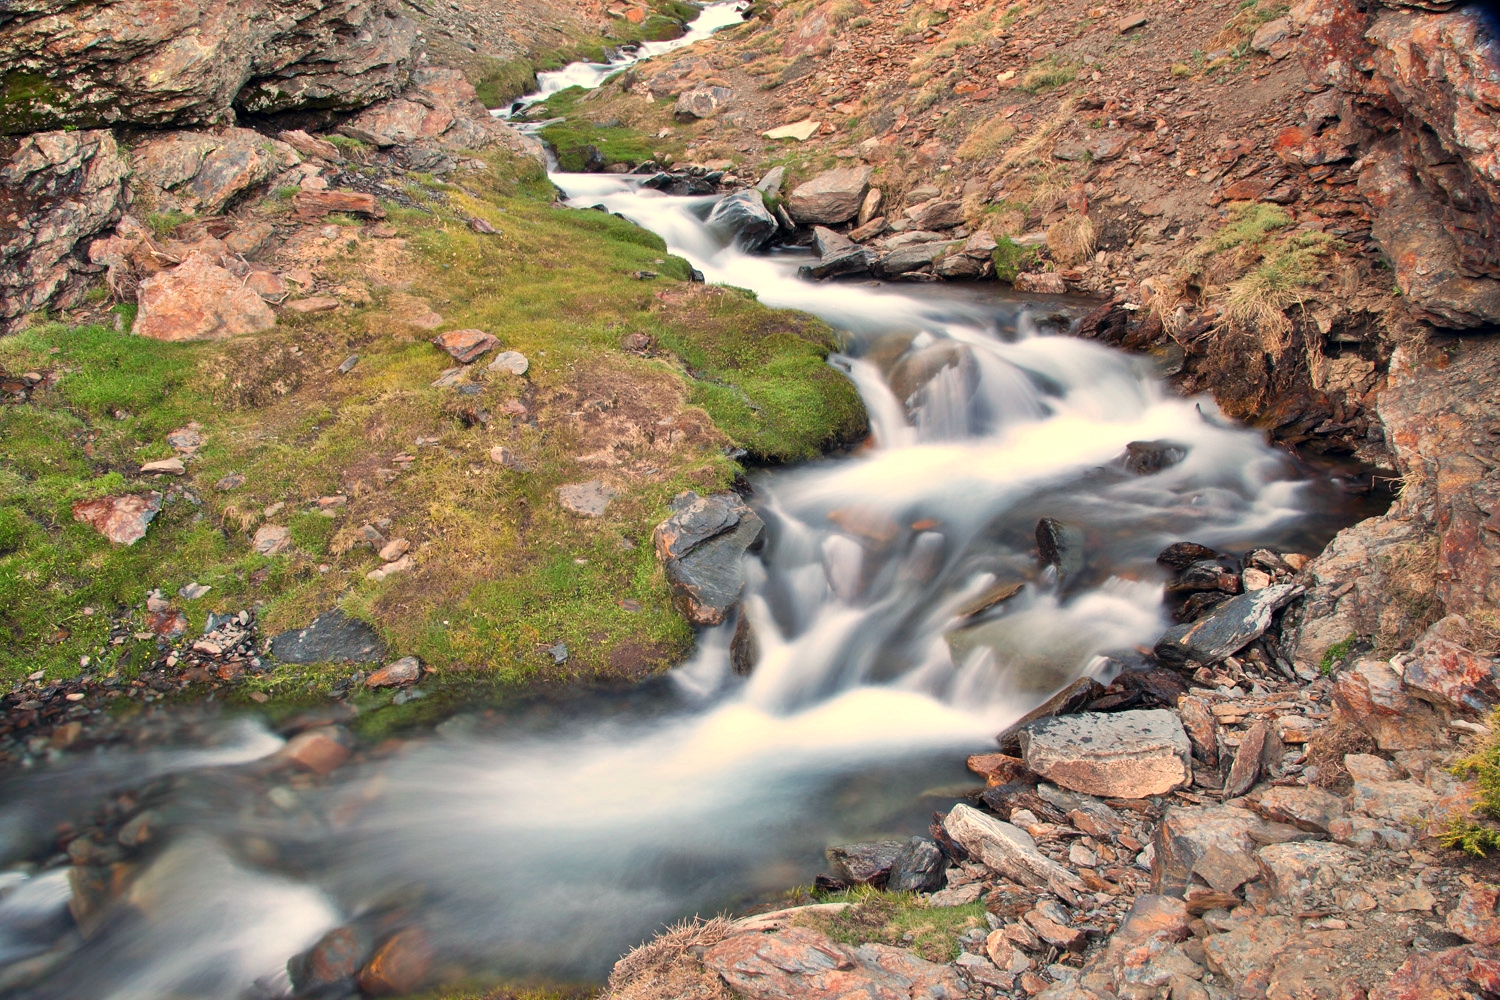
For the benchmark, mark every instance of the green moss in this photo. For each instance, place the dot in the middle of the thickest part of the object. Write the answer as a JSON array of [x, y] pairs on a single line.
[[30, 103], [1011, 259], [572, 138], [165, 224], [901, 919], [1336, 654]]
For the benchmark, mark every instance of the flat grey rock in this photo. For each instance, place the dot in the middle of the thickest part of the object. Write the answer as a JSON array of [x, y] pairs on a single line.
[[1128, 755], [333, 637]]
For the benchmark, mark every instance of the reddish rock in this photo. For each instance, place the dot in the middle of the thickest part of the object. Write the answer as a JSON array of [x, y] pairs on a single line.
[[998, 768], [1249, 759], [1445, 672], [466, 346], [198, 300], [1309, 808], [315, 304], [1450, 974], [407, 670], [1474, 918], [400, 964], [122, 520], [312, 146], [316, 204], [1370, 695], [1046, 283], [330, 963], [802, 964], [202, 172], [320, 751], [267, 285]]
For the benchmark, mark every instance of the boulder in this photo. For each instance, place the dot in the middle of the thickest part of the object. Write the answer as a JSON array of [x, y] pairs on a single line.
[[329, 965], [918, 868], [703, 102], [1448, 674], [1231, 627], [701, 548], [1447, 974], [907, 259], [200, 173], [198, 300], [832, 197], [1128, 755], [321, 751], [800, 963], [1004, 849], [1307, 808], [1186, 833], [123, 520], [191, 63], [1070, 699], [1474, 918], [58, 190], [1145, 458], [851, 259], [1271, 36], [1289, 867], [1060, 547], [745, 216], [333, 637], [771, 183], [1369, 693], [937, 214], [439, 115], [400, 964], [865, 864]]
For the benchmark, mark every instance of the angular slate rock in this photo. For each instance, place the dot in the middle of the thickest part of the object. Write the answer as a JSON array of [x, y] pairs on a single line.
[[333, 637], [744, 214], [918, 868], [701, 547], [1128, 755], [1232, 626], [864, 864]]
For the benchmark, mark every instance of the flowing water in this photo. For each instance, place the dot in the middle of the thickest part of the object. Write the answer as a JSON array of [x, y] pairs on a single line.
[[548, 840]]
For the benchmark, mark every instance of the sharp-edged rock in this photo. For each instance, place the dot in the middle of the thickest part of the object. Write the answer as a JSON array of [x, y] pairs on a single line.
[[1004, 849], [333, 637], [1231, 627], [123, 519], [832, 197], [1128, 755], [802, 964], [701, 547], [744, 214], [198, 300]]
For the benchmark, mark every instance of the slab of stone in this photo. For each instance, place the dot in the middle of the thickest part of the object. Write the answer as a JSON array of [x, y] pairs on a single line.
[[589, 499], [1474, 918], [466, 346], [1310, 808], [271, 539], [1231, 627], [123, 520], [1286, 865], [333, 637], [1067, 701], [701, 548], [830, 198], [1128, 755], [801, 131], [1003, 848], [802, 964], [199, 300]]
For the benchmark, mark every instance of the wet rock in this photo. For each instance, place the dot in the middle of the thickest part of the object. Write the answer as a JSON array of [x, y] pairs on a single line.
[[802, 964], [1060, 546], [744, 651], [832, 197], [333, 637], [744, 214], [198, 300], [589, 499], [1003, 848], [865, 864], [1474, 918], [1448, 674], [1307, 808], [57, 191], [701, 548], [320, 750], [329, 966], [1181, 555], [1128, 755], [466, 346], [1370, 694], [400, 964], [916, 368], [918, 868], [200, 173], [1456, 973], [1231, 627], [123, 520], [407, 670], [1070, 699], [851, 259], [1145, 458], [704, 102], [906, 259]]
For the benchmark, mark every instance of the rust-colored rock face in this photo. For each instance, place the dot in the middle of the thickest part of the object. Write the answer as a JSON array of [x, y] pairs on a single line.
[[192, 62], [198, 300]]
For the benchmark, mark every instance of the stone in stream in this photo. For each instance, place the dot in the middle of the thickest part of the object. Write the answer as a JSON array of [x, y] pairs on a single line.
[[830, 198], [400, 964], [333, 637], [1181, 555], [320, 750], [852, 259], [1127, 755], [123, 520], [744, 214], [701, 548], [1144, 458], [1231, 627], [1067, 701], [1004, 849], [918, 868], [804, 964], [329, 966], [1061, 547], [864, 864]]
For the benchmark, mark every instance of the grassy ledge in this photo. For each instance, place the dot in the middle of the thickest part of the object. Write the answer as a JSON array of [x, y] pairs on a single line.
[[503, 573]]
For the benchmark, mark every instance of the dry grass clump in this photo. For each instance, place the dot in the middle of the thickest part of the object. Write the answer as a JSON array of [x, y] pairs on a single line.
[[666, 968], [1032, 146], [1327, 749], [986, 140], [1072, 240]]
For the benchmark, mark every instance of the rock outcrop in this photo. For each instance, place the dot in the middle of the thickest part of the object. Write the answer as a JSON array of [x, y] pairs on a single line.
[[85, 65], [57, 191]]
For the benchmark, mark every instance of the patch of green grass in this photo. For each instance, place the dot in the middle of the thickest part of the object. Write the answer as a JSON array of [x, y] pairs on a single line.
[[30, 103], [1048, 74], [1483, 765], [901, 919], [1336, 654], [164, 225], [1011, 259]]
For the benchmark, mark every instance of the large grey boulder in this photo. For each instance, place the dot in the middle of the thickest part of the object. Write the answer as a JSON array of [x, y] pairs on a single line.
[[57, 190], [704, 102], [830, 198], [1127, 755], [701, 548], [744, 214], [1233, 625]]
